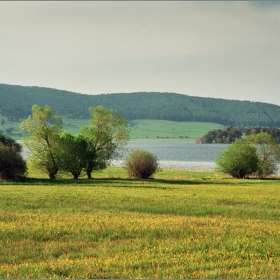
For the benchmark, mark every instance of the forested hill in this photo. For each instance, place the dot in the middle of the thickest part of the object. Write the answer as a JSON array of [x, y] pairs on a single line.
[[16, 103]]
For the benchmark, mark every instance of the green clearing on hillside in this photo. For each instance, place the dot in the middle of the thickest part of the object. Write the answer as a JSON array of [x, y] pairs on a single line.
[[160, 129], [140, 129], [179, 225]]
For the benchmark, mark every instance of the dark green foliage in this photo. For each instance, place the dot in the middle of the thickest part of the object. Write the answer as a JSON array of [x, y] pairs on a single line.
[[227, 135], [230, 134], [93, 162], [141, 164], [16, 101], [73, 154], [12, 164], [238, 160], [273, 131]]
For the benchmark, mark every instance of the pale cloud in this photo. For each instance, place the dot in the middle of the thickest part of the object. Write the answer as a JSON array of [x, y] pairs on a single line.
[[224, 49]]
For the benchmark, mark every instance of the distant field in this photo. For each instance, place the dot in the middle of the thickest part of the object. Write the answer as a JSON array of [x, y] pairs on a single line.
[[159, 129], [140, 129], [180, 225]]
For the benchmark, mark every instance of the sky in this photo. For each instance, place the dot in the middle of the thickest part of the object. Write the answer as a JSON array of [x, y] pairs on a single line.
[[220, 49]]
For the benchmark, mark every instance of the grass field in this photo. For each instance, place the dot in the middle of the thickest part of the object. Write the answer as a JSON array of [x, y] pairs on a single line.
[[158, 129], [181, 224], [139, 129]]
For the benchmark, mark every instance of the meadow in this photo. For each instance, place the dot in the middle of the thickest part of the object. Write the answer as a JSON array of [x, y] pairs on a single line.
[[180, 224], [160, 129]]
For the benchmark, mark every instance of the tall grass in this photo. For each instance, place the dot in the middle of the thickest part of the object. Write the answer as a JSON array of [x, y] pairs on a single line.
[[181, 224]]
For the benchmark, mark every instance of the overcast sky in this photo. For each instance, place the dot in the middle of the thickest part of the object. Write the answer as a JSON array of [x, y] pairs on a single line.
[[221, 49]]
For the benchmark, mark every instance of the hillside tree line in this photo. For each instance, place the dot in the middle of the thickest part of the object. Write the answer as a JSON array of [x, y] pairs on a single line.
[[16, 101], [231, 134]]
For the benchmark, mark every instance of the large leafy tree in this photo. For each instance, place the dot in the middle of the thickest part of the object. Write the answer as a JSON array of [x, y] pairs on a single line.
[[12, 164], [42, 145], [75, 153], [268, 153], [238, 160], [108, 133]]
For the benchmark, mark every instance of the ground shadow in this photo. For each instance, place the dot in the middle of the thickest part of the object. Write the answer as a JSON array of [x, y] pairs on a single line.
[[131, 183]]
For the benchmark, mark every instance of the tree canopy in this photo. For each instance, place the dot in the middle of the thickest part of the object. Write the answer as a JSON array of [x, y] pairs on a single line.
[[73, 154], [268, 152], [52, 150], [238, 160], [256, 154], [12, 164], [108, 133], [42, 145]]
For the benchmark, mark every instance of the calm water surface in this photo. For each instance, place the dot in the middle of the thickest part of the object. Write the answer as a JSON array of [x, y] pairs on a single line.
[[179, 154]]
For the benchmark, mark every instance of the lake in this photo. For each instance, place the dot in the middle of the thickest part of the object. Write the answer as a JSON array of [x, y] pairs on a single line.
[[178, 154], [173, 154]]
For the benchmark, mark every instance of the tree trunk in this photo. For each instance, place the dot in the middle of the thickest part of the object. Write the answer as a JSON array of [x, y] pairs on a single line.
[[89, 175], [75, 176]]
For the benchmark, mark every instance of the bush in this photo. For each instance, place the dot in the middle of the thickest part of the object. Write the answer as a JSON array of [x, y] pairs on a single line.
[[141, 164], [12, 164], [238, 160]]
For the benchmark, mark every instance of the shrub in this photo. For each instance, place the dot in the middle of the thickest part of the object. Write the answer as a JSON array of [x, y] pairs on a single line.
[[238, 160], [12, 164], [141, 164]]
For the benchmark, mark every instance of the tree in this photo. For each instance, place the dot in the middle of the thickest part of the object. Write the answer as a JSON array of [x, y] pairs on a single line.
[[108, 132], [268, 153], [12, 164], [227, 135], [44, 127], [238, 160], [73, 154], [92, 161], [141, 164]]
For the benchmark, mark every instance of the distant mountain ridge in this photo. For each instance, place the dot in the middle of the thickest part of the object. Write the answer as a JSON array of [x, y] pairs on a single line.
[[16, 102]]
